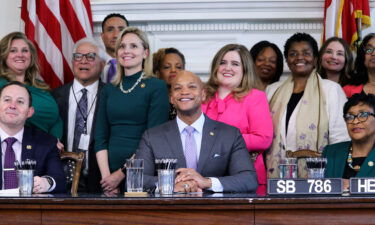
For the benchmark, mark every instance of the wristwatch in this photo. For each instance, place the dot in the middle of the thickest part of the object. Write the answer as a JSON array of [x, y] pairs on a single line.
[[50, 181]]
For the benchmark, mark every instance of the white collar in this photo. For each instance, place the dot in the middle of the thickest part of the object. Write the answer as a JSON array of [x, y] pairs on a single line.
[[198, 124], [91, 89], [18, 135]]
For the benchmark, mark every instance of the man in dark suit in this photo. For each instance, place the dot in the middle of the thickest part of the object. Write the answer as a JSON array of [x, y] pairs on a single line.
[[21, 143], [77, 105], [211, 156]]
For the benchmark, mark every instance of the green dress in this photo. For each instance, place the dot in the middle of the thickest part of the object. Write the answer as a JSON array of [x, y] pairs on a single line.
[[122, 118], [46, 116]]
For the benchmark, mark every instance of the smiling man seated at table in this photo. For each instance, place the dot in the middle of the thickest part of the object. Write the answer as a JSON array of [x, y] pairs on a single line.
[[210, 155], [20, 143]]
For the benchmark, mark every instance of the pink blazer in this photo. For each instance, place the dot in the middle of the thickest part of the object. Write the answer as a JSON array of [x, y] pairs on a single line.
[[252, 116], [352, 89]]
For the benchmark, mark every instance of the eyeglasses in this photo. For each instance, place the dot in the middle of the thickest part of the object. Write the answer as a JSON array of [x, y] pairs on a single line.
[[369, 50], [362, 117], [89, 56]]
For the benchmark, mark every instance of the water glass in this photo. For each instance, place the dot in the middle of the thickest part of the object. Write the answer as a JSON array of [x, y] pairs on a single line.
[[166, 181], [288, 168], [134, 175], [25, 182], [316, 167]]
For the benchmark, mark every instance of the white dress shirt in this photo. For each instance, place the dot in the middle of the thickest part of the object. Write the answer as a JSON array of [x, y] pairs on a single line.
[[92, 91], [17, 148], [198, 133]]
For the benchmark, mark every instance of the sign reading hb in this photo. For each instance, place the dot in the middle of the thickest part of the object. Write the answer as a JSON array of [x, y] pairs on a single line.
[[304, 186], [362, 185]]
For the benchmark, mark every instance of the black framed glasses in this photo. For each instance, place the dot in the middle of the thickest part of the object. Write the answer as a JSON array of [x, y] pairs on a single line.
[[369, 50], [89, 56], [362, 117]]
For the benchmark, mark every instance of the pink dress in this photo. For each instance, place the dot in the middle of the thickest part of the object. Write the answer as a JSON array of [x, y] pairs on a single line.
[[251, 115], [352, 89]]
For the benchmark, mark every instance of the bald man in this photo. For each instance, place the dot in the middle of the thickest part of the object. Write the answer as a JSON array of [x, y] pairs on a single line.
[[210, 155]]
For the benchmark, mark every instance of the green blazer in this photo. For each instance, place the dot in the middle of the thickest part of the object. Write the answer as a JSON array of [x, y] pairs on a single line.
[[337, 155]]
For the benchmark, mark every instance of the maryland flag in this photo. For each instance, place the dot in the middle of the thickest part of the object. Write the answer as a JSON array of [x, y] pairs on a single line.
[[345, 18]]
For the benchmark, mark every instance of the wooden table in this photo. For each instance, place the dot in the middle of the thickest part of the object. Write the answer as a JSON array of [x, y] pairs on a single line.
[[182, 209]]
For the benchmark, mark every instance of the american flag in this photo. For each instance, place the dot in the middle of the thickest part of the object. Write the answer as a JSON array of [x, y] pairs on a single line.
[[54, 26]]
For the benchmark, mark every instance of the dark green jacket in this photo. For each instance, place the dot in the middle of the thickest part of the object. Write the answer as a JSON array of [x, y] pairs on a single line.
[[337, 155]]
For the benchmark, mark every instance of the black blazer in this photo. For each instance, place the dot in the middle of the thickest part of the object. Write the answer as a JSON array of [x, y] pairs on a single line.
[[61, 95], [40, 146]]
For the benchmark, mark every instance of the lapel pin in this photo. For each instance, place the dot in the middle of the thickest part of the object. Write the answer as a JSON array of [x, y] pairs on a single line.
[[212, 133], [370, 163], [143, 85], [28, 147]]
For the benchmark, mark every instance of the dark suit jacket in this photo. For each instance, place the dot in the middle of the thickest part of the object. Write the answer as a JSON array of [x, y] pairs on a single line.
[[61, 95], [223, 154], [337, 154], [40, 146]]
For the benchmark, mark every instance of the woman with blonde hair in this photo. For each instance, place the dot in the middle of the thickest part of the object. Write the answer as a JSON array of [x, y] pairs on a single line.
[[232, 99], [134, 102], [19, 62]]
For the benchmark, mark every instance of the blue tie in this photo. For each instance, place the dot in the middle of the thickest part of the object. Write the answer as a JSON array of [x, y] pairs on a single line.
[[81, 117], [111, 70]]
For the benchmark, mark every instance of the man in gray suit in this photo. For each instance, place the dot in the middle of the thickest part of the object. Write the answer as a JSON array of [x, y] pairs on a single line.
[[213, 157]]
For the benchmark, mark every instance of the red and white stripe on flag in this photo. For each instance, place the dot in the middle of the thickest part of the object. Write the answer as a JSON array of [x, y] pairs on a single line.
[[54, 26], [340, 18]]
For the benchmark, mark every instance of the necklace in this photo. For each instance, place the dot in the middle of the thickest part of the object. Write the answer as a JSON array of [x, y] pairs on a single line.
[[135, 85], [350, 161]]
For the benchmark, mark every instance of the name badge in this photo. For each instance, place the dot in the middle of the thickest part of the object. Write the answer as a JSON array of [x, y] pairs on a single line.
[[304, 186], [362, 185], [84, 142]]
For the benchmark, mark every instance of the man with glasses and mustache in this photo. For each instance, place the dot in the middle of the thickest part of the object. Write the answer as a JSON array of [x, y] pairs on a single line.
[[77, 105]]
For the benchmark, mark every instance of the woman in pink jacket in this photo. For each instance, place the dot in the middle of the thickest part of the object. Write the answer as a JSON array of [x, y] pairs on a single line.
[[232, 99]]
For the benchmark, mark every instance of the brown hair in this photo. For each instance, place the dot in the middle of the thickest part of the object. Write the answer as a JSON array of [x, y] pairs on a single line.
[[348, 67], [249, 80], [31, 72], [158, 57]]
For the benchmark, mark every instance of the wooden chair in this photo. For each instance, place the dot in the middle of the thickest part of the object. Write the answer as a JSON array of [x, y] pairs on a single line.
[[303, 154], [72, 164]]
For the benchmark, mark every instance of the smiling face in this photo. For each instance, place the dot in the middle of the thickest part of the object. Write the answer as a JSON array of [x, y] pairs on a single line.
[[171, 65], [230, 71], [361, 131], [265, 64], [301, 60], [87, 72], [187, 94], [333, 58], [131, 53], [19, 57], [111, 29], [14, 107], [370, 58]]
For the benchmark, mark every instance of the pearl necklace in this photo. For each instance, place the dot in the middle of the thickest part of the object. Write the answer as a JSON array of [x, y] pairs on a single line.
[[350, 161], [135, 84]]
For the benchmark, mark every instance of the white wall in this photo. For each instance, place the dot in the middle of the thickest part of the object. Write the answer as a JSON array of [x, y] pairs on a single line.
[[200, 28]]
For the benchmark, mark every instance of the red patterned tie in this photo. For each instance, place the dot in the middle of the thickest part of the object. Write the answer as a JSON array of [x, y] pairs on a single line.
[[10, 176]]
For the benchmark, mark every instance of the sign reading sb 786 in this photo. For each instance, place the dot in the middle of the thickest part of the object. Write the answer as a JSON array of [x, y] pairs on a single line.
[[304, 186]]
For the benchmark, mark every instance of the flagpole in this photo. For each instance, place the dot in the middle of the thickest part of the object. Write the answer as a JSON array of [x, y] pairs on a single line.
[[359, 32]]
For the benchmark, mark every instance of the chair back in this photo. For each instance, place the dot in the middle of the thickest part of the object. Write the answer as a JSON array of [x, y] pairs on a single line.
[[72, 164]]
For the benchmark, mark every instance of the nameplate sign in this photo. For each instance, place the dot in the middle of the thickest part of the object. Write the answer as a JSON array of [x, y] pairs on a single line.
[[304, 186], [362, 185]]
